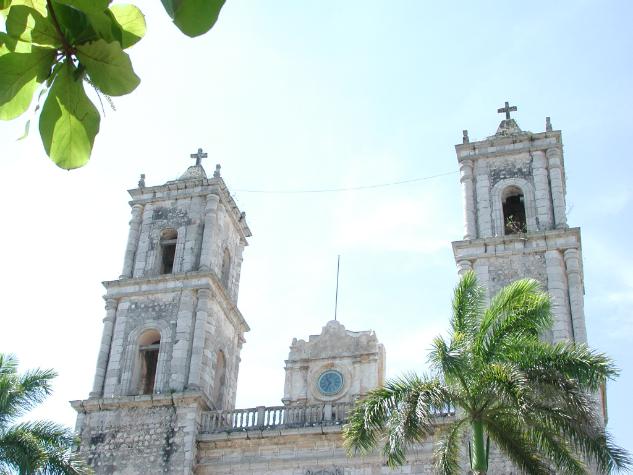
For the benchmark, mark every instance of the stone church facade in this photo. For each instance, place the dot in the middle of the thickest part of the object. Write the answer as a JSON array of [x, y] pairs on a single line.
[[163, 398]]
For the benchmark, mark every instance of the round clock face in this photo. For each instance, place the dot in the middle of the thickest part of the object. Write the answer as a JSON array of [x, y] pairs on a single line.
[[330, 382]]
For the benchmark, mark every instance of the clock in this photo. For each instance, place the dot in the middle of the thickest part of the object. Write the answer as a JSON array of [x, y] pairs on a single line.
[[330, 382]]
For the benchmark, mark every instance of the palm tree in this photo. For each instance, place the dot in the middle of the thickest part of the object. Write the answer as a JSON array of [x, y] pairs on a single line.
[[531, 398], [40, 447]]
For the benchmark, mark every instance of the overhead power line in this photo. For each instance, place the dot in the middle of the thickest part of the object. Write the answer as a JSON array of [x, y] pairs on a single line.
[[349, 188]]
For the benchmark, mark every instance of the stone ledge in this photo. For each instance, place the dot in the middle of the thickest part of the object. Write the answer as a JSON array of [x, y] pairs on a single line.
[[135, 286], [568, 238], [508, 145], [187, 398]]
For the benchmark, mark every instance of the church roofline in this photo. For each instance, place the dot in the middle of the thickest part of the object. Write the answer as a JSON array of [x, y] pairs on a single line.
[[509, 144]]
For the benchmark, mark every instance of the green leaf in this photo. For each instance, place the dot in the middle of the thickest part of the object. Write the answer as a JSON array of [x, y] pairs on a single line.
[[69, 121], [109, 67], [9, 44], [5, 4], [131, 22], [21, 73], [37, 5], [87, 6], [74, 24], [27, 21], [193, 17]]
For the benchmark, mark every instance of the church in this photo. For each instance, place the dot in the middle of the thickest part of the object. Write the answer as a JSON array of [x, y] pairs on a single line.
[[163, 397]]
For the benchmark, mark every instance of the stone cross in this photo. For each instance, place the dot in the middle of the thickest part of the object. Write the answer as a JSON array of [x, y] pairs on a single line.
[[507, 109], [199, 155]]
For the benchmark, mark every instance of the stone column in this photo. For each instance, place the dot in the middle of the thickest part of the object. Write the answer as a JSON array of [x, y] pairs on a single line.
[[482, 271], [468, 192], [210, 221], [132, 241], [232, 387], [463, 267], [143, 244], [482, 190], [541, 191], [112, 386], [555, 158], [237, 266], [557, 288], [175, 377], [576, 295], [197, 347], [104, 349]]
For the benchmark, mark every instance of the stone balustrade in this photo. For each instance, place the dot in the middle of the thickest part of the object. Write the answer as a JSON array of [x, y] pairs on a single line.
[[282, 417]]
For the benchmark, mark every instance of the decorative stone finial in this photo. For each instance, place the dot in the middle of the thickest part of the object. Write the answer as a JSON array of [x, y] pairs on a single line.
[[465, 138], [548, 124], [141, 182], [216, 173]]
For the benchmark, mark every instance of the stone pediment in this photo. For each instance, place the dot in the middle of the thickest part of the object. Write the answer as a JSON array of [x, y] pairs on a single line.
[[334, 341]]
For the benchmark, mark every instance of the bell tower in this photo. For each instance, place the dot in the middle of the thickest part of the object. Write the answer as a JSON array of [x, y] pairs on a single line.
[[513, 185], [172, 332]]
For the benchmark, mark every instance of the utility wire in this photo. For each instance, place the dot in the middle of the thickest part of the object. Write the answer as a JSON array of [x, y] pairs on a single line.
[[351, 188]]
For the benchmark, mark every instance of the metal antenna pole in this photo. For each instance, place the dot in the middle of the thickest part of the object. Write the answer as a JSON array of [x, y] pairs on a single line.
[[338, 266]]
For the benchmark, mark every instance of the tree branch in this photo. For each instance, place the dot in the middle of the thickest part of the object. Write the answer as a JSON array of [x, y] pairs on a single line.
[[68, 49]]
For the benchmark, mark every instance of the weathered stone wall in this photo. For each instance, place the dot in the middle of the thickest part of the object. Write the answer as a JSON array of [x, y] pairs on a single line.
[[220, 335], [504, 270], [138, 436], [310, 451]]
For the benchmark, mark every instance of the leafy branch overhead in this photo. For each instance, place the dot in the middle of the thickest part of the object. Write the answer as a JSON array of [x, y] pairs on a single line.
[[50, 48]]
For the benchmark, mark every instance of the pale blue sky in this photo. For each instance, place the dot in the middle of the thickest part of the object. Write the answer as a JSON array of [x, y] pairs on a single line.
[[304, 95]]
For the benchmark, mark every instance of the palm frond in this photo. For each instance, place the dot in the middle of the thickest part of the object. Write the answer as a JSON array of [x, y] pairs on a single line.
[[520, 309], [513, 442], [401, 411], [503, 382], [8, 364], [585, 437], [568, 359], [468, 304], [450, 361], [20, 393], [446, 456], [20, 450], [41, 447], [64, 462]]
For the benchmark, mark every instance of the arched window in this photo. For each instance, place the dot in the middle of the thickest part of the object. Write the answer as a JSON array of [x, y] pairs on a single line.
[[148, 347], [513, 202], [219, 380], [168, 240], [226, 268]]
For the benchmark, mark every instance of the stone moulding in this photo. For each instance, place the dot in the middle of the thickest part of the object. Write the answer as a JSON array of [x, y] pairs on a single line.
[[176, 282], [187, 398]]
